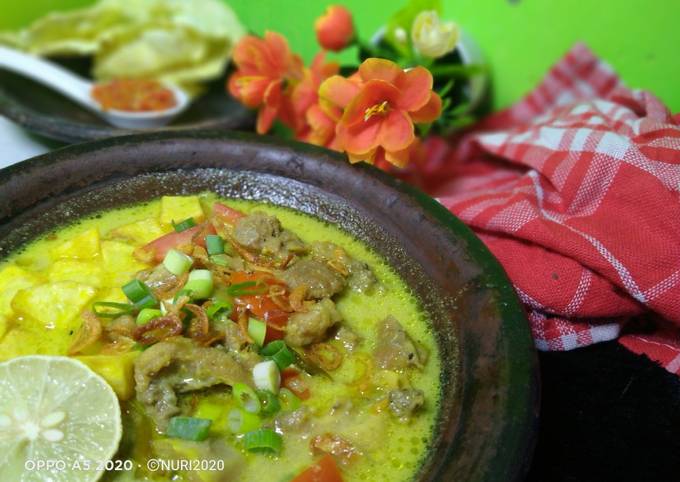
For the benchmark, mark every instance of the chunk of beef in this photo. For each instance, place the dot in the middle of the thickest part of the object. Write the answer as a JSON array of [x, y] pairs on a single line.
[[234, 339], [361, 278], [326, 251], [311, 326], [237, 344], [405, 402], [359, 275], [320, 280], [253, 231], [394, 349], [349, 339], [179, 365], [262, 233]]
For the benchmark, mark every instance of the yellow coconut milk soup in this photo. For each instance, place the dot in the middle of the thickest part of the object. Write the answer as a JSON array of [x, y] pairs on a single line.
[[199, 339]]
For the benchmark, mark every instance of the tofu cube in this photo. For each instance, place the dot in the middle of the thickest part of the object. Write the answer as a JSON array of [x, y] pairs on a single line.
[[119, 263], [86, 272], [140, 232], [54, 305], [82, 246], [12, 279], [117, 370]]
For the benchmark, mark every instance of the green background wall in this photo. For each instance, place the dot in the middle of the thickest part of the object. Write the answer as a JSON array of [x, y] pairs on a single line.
[[521, 38]]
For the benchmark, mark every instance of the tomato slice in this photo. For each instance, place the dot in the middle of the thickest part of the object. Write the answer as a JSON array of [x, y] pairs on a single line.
[[165, 243], [274, 334], [227, 214], [262, 307], [324, 470], [292, 380]]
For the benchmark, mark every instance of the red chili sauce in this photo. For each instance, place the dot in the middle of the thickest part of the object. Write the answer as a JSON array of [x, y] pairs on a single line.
[[133, 95]]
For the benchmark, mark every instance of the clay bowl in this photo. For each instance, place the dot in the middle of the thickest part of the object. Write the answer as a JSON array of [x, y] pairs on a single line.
[[489, 408]]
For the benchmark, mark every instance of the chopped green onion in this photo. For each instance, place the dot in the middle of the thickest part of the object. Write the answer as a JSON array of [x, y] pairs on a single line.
[[148, 314], [193, 290], [241, 289], [278, 351], [184, 225], [257, 330], [189, 428], [214, 244], [246, 397], [220, 259], [136, 290], [289, 401], [263, 440], [140, 294], [149, 301], [221, 294], [240, 421], [219, 310], [200, 274], [200, 284], [272, 347], [238, 287], [283, 358], [165, 303], [266, 376], [121, 309], [177, 262], [270, 404], [228, 249]]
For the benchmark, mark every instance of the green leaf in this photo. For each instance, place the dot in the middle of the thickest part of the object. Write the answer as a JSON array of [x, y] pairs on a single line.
[[460, 109], [446, 89], [457, 70], [446, 103], [423, 129], [282, 131], [450, 125], [404, 19]]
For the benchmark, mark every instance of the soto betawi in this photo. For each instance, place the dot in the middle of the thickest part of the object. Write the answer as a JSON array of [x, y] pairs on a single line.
[[251, 341]]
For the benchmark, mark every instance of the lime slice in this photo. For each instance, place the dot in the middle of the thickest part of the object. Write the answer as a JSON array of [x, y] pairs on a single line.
[[59, 420]]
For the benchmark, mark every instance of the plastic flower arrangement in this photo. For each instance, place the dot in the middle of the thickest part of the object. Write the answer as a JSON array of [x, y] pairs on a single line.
[[406, 85]]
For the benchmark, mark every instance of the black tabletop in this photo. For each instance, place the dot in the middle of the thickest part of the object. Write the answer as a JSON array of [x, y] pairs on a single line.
[[607, 415]]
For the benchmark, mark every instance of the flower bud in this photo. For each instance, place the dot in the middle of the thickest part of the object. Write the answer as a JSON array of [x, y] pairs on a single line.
[[334, 29], [432, 37], [401, 35]]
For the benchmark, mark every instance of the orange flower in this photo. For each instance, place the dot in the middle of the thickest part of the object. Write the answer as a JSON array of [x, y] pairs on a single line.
[[379, 111], [334, 29], [305, 95], [321, 127], [265, 68], [323, 117]]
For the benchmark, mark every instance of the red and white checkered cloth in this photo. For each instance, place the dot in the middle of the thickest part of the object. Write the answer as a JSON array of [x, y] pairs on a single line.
[[576, 190]]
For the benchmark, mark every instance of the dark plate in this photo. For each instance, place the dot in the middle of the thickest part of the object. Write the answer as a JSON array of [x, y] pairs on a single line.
[[485, 431], [48, 113]]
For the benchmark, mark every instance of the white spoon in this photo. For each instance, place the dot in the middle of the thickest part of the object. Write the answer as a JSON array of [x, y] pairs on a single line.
[[79, 90]]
